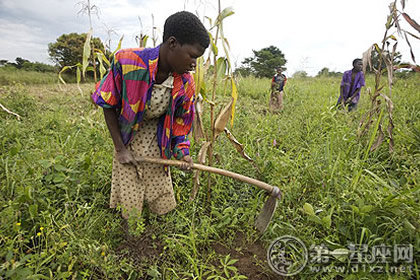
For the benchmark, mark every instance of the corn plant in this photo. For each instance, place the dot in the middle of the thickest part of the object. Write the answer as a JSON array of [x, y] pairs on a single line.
[[89, 9], [379, 96], [92, 54], [142, 38], [222, 71], [378, 114]]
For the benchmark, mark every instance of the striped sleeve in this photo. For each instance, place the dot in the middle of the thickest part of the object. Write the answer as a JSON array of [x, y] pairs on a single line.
[[183, 121], [108, 91]]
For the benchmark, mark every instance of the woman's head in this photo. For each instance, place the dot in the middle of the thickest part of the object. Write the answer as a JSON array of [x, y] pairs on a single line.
[[186, 28], [184, 40]]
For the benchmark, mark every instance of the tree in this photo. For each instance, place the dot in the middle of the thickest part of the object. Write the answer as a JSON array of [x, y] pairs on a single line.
[[300, 74], [325, 72], [68, 49], [20, 62], [243, 71], [264, 62]]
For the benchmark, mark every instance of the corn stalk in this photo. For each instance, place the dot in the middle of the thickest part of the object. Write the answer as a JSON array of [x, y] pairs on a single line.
[[90, 54], [142, 38], [222, 71], [380, 113], [89, 9], [382, 95]]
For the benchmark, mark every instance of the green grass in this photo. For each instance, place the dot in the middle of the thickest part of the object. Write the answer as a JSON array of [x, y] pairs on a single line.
[[9, 75], [55, 174]]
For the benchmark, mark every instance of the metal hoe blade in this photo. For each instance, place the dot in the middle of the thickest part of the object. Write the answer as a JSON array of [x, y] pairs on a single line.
[[267, 212]]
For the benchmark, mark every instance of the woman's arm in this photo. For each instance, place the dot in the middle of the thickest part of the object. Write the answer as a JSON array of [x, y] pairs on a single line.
[[122, 154]]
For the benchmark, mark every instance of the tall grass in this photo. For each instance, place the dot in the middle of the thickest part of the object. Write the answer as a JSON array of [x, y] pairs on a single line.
[[11, 75], [55, 168]]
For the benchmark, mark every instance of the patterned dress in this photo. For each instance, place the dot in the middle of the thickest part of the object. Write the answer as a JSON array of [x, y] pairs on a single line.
[[152, 122], [132, 185]]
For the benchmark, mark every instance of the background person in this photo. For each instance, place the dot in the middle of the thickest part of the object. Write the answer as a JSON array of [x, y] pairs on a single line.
[[277, 84], [351, 83]]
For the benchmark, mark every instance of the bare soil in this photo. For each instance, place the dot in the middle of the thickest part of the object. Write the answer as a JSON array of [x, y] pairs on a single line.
[[252, 260], [251, 256]]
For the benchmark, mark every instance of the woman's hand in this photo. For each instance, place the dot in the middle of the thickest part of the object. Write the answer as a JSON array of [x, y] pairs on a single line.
[[124, 156], [188, 162]]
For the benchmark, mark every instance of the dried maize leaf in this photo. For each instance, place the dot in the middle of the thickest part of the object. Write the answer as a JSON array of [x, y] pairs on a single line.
[[222, 119], [238, 146], [411, 21]]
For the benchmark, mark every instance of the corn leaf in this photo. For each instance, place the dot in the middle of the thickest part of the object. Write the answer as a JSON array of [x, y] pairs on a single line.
[[64, 69], [388, 22], [99, 53], [411, 21], [411, 49], [234, 98], [222, 119], [199, 74], [102, 69], [379, 140], [238, 146], [221, 66], [378, 49], [214, 48], [144, 40], [118, 47], [367, 59], [411, 34], [198, 121], [224, 14], [86, 52], [209, 19]]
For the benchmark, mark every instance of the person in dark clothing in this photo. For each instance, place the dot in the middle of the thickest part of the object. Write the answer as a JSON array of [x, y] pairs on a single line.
[[351, 83], [277, 84]]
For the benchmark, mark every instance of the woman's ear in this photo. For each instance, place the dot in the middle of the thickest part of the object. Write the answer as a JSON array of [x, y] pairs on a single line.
[[172, 42]]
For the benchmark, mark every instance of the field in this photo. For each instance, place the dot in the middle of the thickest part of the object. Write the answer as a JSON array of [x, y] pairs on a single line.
[[55, 180]]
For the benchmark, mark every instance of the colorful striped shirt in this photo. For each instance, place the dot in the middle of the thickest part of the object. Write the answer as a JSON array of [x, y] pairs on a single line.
[[128, 88]]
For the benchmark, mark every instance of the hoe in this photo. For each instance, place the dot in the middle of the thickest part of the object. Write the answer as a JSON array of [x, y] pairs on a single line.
[[266, 214]]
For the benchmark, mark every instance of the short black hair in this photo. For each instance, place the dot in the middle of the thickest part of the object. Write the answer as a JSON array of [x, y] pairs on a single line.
[[356, 60], [186, 28]]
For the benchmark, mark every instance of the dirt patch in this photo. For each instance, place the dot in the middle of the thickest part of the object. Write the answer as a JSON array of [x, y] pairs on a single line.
[[140, 250], [252, 260]]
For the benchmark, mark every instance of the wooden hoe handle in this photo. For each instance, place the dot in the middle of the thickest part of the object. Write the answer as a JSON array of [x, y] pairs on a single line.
[[274, 191]]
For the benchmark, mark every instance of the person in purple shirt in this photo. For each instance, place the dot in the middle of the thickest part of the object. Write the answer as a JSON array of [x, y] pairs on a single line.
[[351, 83]]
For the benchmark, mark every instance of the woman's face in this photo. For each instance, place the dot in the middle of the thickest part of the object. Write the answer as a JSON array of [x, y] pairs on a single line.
[[183, 58]]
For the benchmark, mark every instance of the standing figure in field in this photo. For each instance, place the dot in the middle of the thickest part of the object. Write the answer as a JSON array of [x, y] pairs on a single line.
[[148, 102], [351, 83], [277, 84]]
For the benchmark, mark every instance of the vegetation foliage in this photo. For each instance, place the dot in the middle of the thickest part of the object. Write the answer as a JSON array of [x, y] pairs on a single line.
[[68, 48], [263, 63], [55, 166], [56, 157]]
